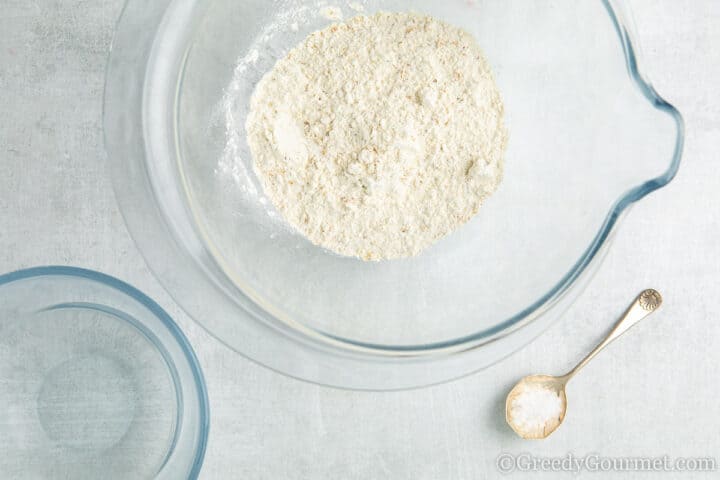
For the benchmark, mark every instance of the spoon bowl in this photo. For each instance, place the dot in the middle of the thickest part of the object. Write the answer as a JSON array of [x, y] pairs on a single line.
[[536, 383]]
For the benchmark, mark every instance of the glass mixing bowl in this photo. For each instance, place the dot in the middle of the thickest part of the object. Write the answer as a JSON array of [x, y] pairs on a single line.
[[96, 381], [589, 136]]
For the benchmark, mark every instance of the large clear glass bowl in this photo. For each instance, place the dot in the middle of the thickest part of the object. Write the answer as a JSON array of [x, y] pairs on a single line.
[[589, 136]]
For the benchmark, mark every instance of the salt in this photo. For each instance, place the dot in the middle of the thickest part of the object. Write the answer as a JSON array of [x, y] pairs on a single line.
[[534, 408]]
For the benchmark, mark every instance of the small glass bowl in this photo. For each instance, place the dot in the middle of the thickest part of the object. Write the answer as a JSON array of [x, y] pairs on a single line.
[[589, 136], [96, 381]]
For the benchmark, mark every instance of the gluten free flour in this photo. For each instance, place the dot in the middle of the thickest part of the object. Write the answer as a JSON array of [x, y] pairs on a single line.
[[378, 136]]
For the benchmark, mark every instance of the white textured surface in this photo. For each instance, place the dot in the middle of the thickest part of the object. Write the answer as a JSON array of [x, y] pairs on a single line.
[[654, 392]]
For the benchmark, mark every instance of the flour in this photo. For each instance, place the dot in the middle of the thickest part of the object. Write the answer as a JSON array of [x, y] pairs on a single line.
[[379, 136], [290, 16], [331, 13]]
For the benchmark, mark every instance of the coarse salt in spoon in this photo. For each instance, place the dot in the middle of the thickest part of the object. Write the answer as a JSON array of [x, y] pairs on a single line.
[[536, 405]]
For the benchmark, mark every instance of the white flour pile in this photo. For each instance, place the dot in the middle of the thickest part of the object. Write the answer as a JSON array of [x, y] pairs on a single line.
[[379, 136]]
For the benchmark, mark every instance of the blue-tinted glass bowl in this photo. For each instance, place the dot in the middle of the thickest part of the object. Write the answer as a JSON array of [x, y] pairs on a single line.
[[96, 381]]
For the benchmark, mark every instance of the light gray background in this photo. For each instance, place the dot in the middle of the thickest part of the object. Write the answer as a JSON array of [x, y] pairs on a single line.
[[655, 392]]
